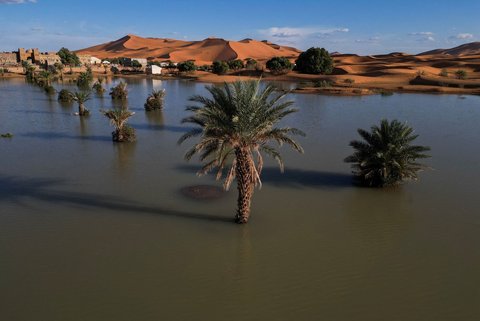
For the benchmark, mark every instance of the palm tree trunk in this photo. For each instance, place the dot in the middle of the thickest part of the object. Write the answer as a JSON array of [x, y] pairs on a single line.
[[244, 185], [81, 109]]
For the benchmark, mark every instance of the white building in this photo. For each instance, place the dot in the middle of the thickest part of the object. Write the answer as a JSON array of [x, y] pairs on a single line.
[[154, 70], [95, 61], [142, 61]]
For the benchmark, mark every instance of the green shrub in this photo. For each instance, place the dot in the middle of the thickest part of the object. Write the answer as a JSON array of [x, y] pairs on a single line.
[[279, 65], [235, 64], [315, 61], [187, 66], [461, 74], [220, 67]]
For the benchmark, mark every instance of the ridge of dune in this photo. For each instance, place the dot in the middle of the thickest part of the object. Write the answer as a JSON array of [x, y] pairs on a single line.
[[468, 49]]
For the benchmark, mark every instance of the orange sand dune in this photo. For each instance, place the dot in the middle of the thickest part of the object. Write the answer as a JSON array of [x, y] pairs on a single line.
[[203, 52]]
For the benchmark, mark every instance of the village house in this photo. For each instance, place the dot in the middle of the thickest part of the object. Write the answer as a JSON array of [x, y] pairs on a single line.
[[154, 70]]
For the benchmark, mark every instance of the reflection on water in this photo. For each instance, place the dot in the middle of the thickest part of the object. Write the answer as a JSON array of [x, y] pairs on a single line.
[[99, 231]]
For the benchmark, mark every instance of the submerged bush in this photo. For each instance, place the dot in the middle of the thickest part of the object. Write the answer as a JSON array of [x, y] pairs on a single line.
[[65, 96], [155, 100], [49, 90]]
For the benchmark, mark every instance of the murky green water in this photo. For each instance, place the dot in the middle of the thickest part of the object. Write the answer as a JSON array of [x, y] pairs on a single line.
[[90, 230]]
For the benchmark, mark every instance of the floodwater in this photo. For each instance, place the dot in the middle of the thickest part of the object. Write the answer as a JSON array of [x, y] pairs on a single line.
[[92, 230]]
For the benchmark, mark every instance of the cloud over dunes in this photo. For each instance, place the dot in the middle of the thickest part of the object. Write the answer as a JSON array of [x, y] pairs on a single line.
[[464, 36], [17, 1]]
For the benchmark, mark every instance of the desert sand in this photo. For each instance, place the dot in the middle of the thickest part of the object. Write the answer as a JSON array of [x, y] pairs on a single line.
[[353, 74]]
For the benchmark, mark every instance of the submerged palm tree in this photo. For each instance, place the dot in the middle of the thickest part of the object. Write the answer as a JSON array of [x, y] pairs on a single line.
[[155, 100], [81, 98], [236, 125], [120, 91], [118, 118], [387, 156]]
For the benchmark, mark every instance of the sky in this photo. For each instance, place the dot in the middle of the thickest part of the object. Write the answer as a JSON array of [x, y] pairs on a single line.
[[347, 26]]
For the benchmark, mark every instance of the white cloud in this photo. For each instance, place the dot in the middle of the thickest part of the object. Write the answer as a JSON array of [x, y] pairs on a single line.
[[288, 32], [423, 36], [422, 33], [17, 1], [464, 36], [369, 40], [302, 37]]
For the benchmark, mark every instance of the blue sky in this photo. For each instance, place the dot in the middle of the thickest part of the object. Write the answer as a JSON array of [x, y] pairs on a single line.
[[348, 26]]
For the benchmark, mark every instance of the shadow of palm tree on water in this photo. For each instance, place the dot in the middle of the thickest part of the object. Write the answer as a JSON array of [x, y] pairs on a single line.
[[295, 178], [19, 190]]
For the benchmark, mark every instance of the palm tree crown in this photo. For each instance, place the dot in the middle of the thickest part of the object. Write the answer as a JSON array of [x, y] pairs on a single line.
[[237, 124], [386, 157]]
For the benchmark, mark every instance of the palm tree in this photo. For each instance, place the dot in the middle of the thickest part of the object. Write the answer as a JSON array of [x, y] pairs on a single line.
[[120, 91], [155, 100], [45, 77], [59, 66], [118, 118], [81, 98], [237, 124], [386, 156]]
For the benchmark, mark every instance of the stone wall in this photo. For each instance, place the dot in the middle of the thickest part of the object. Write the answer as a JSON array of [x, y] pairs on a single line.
[[8, 59]]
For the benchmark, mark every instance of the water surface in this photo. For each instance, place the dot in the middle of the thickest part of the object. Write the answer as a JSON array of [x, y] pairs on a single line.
[[92, 230]]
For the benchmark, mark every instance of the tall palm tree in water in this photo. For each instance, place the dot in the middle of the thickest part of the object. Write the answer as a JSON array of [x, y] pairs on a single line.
[[236, 125]]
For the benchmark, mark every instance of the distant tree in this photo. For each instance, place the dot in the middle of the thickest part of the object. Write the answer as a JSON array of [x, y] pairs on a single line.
[[278, 65], [235, 64], [45, 78], [68, 58], [386, 156], [187, 66], [136, 65], [25, 66], [314, 61], [115, 70], [81, 98], [250, 63], [119, 91], [59, 66], [461, 74], [220, 67], [85, 78], [444, 73]]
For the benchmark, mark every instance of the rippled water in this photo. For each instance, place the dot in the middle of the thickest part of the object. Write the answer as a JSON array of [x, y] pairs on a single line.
[[91, 230]]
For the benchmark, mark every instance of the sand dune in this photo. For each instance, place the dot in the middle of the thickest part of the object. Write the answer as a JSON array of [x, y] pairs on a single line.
[[467, 49], [203, 52], [393, 71]]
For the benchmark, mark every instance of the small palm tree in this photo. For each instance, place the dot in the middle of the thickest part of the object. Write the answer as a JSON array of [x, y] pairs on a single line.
[[81, 98], [386, 157], [98, 87], [237, 124], [155, 100], [119, 91], [118, 118], [59, 66], [45, 78]]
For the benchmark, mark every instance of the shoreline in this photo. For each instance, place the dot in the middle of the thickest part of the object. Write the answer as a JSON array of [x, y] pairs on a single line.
[[308, 84]]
